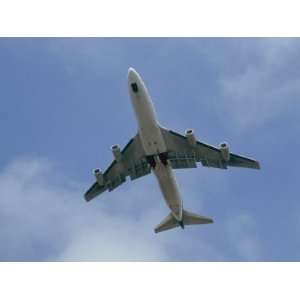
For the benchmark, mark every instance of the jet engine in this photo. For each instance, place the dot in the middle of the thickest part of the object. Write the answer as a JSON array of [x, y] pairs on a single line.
[[99, 176], [224, 148], [116, 152], [189, 134]]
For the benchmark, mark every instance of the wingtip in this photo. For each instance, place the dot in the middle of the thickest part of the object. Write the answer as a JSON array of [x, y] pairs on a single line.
[[86, 198]]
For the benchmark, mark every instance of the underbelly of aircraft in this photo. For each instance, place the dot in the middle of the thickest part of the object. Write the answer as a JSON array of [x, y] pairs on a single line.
[[168, 187], [152, 140]]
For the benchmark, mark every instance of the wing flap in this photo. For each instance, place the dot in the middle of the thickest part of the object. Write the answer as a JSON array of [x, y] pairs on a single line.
[[132, 164], [242, 161], [184, 155], [182, 160], [94, 191], [139, 169], [115, 181]]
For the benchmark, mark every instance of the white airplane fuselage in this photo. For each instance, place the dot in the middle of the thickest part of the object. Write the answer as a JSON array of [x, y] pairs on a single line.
[[153, 142]]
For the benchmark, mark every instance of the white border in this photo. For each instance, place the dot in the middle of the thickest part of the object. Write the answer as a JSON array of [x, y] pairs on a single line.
[[145, 280], [149, 281], [149, 18]]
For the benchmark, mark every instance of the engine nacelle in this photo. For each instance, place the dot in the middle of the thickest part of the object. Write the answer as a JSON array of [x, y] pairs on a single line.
[[116, 152], [99, 176], [189, 133], [224, 148]]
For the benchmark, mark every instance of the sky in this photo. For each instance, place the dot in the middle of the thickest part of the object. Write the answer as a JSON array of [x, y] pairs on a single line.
[[64, 102]]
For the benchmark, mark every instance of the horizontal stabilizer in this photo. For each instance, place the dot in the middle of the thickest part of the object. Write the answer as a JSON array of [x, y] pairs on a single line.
[[167, 223], [191, 218], [188, 218]]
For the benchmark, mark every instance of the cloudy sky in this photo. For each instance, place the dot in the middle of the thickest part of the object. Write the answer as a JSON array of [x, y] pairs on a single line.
[[64, 102]]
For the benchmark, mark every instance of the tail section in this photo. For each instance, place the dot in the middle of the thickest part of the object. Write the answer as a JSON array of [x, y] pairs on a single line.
[[188, 218], [167, 223], [191, 219]]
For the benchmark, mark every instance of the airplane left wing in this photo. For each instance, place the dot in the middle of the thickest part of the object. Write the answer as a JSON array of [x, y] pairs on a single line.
[[132, 163], [182, 154]]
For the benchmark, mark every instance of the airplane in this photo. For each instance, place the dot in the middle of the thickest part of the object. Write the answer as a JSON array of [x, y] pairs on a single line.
[[160, 150]]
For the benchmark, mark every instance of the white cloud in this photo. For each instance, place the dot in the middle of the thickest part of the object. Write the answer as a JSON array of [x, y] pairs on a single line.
[[257, 78], [265, 87], [116, 240], [44, 217], [242, 233]]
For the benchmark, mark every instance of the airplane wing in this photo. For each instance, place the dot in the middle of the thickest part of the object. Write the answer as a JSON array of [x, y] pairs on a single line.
[[133, 163], [183, 155]]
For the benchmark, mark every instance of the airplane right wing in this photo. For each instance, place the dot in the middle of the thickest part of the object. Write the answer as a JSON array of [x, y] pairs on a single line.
[[182, 154], [132, 163]]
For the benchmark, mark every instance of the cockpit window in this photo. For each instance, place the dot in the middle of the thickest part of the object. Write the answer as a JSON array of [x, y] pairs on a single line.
[[134, 87]]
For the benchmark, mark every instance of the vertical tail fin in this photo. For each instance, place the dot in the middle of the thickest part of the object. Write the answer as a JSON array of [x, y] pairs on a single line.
[[188, 218]]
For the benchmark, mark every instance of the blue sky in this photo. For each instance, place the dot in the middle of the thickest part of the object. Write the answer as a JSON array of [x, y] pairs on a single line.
[[65, 102]]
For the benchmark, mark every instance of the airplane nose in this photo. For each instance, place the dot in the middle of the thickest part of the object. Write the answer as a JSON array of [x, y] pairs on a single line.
[[132, 75], [135, 81], [130, 70]]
